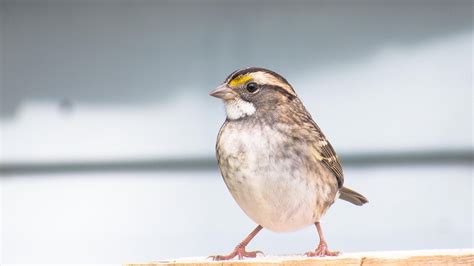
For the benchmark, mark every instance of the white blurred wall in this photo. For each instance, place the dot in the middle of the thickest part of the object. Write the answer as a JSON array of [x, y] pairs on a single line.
[[143, 217], [98, 80]]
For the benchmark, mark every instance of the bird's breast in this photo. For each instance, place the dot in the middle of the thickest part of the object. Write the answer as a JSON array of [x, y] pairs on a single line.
[[272, 178]]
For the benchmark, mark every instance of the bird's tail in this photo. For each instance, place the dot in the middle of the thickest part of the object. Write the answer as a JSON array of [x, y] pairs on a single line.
[[352, 196]]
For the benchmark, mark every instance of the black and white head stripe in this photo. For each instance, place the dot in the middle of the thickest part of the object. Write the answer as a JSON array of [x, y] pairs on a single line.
[[261, 76]]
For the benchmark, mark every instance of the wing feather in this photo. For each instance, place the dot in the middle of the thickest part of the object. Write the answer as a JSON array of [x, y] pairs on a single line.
[[326, 154]]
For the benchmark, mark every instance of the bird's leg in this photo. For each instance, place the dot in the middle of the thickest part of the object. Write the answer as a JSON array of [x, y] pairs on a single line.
[[322, 249], [239, 250]]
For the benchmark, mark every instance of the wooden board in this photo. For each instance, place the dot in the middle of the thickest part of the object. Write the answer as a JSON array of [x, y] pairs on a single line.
[[394, 258]]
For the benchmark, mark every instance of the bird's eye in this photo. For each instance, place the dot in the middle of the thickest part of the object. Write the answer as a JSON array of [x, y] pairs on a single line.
[[252, 87]]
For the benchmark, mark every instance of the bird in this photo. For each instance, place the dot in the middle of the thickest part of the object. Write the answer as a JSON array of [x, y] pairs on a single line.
[[275, 160]]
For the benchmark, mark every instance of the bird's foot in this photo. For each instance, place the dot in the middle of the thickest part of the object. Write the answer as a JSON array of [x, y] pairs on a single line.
[[322, 251], [239, 252]]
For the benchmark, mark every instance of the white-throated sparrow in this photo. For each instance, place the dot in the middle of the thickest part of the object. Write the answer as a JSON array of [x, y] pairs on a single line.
[[274, 159]]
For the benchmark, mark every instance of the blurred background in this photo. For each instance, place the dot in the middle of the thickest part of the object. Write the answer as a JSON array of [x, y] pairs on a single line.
[[107, 131]]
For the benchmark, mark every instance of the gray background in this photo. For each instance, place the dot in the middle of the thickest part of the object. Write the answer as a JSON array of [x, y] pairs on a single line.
[[107, 131]]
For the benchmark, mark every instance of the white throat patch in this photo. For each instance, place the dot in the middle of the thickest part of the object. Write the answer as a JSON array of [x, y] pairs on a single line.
[[238, 108]]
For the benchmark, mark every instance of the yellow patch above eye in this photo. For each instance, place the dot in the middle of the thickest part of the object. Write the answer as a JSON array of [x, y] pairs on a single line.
[[239, 81]]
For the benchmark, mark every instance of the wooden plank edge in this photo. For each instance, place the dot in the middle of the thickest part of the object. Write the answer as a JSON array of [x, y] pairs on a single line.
[[391, 258]]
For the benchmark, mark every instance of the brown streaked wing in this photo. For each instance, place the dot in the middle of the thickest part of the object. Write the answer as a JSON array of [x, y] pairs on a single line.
[[327, 155]]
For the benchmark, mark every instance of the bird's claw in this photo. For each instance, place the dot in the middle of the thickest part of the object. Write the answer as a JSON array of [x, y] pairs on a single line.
[[322, 251], [239, 252]]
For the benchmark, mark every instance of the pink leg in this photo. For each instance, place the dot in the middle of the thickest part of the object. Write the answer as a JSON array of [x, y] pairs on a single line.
[[322, 249], [239, 250]]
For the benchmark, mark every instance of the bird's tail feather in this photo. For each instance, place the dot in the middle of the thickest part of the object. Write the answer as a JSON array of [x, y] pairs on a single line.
[[352, 196]]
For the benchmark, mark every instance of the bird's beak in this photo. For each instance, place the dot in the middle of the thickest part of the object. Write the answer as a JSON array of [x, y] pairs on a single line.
[[223, 92]]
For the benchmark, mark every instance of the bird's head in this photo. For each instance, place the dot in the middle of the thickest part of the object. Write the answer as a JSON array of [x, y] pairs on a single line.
[[250, 90]]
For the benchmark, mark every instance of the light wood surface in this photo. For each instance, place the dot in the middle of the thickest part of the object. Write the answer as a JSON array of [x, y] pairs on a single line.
[[393, 258]]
